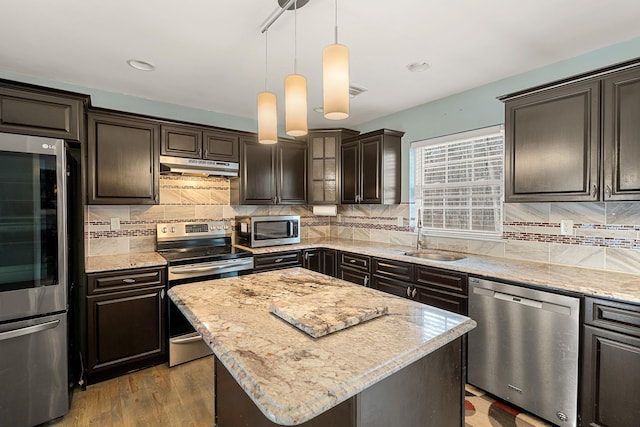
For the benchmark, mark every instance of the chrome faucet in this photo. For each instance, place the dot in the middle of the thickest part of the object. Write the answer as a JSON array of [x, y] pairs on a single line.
[[419, 244]]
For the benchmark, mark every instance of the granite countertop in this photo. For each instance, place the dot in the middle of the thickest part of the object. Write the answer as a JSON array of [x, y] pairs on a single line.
[[598, 283], [97, 264], [291, 376]]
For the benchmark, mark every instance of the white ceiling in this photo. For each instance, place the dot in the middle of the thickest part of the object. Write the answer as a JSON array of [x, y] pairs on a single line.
[[211, 55]]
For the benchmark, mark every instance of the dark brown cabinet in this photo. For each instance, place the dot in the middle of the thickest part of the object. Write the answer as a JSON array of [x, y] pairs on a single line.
[[392, 277], [271, 174], [370, 168], [277, 261], [354, 268], [198, 143], [611, 364], [35, 111], [576, 140], [324, 164], [321, 260], [621, 136], [123, 159], [125, 321]]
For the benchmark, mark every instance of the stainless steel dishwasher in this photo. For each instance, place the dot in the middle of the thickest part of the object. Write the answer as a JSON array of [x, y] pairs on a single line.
[[525, 348]]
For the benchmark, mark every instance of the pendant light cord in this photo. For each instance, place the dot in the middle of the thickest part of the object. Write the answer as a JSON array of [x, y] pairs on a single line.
[[336, 35], [266, 58], [295, 37]]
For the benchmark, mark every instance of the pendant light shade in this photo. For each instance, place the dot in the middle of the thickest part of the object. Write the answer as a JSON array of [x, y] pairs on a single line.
[[335, 78], [267, 118], [295, 99]]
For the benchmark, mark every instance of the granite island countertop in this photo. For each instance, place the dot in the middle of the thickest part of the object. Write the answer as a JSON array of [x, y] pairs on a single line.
[[591, 282], [291, 376]]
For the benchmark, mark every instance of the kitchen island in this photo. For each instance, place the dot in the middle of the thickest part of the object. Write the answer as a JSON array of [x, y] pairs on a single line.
[[403, 368]]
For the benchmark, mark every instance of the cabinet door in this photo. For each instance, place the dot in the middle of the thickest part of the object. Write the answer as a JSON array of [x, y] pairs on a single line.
[[123, 160], [125, 328], [621, 142], [40, 114], [611, 379], [221, 146], [324, 170], [551, 145], [292, 172], [257, 173], [371, 170], [330, 262], [181, 141], [350, 172], [312, 259]]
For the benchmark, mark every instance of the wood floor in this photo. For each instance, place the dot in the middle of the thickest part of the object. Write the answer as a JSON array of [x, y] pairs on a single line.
[[157, 396]]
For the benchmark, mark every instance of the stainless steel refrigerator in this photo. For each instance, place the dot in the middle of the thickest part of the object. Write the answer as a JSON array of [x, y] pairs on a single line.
[[33, 281]]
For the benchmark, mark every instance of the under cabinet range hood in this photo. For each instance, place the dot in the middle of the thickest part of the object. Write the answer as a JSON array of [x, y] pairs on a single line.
[[198, 167]]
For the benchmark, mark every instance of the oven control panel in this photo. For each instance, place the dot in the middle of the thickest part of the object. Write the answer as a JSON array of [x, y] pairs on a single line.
[[178, 230]]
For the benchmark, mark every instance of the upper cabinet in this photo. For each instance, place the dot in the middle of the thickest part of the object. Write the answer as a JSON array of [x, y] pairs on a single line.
[[35, 111], [324, 164], [271, 174], [370, 168], [621, 136], [198, 143], [575, 141], [123, 154]]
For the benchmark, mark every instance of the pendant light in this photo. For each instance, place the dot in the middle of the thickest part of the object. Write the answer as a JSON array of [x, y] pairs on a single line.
[[335, 78], [295, 92], [267, 111]]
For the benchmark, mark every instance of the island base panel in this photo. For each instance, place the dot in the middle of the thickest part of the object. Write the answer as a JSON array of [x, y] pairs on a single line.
[[427, 393]]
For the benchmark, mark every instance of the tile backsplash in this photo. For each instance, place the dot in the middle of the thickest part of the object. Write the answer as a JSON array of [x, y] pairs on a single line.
[[606, 236]]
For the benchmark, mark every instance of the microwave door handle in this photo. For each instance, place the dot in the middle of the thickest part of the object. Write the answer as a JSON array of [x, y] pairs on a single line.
[[289, 228]]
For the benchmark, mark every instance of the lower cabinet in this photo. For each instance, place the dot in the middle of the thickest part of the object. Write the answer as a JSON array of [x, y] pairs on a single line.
[[320, 260], [126, 322], [610, 364], [354, 268], [277, 261]]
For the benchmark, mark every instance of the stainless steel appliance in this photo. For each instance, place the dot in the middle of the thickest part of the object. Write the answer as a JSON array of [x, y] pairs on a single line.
[[201, 167], [260, 231], [195, 252], [525, 348], [33, 280]]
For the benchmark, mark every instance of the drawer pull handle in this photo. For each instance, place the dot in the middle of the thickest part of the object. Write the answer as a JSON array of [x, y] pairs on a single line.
[[279, 260], [129, 280], [352, 261], [408, 291], [414, 292]]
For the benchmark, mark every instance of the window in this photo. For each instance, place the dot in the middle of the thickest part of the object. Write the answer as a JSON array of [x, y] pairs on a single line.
[[459, 183]]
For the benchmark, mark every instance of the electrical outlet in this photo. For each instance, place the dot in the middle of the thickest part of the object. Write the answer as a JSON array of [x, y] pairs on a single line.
[[566, 227], [400, 221], [115, 224]]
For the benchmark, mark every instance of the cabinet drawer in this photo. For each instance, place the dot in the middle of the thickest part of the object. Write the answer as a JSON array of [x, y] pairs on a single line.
[[361, 262], [392, 286], [354, 275], [446, 280], [277, 261], [613, 315], [442, 299], [402, 271], [124, 280]]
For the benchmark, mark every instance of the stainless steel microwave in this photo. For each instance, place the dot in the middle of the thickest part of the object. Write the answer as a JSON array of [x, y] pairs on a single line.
[[260, 231]]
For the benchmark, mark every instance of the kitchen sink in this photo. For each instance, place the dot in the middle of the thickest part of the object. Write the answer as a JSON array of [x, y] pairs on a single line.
[[436, 255]]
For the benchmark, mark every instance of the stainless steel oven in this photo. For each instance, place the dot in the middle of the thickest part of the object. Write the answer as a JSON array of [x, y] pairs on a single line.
[[260, 231], [33, 280], [196, 252]]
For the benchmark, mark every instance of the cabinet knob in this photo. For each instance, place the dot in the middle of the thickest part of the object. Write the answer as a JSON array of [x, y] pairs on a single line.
[[607, 191]]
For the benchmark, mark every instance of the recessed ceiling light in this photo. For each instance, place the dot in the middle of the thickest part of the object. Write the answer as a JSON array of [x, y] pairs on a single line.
[[141, 65], [417, 67], [319, 110]]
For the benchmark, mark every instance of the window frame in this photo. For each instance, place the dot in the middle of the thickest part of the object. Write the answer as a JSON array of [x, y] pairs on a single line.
[[417, 202]]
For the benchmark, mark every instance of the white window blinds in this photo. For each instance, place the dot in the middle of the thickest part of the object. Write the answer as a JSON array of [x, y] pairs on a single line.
[[459, 183]]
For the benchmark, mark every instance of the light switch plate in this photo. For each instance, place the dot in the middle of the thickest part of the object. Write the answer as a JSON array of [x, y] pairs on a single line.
[[566, 227], [115, 224]]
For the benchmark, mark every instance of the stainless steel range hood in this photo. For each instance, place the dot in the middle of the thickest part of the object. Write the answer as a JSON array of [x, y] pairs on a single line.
[[198, 167]]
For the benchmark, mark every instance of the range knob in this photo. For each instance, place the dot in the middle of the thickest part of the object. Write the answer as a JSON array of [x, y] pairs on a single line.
[[173, 229], [164, 229]]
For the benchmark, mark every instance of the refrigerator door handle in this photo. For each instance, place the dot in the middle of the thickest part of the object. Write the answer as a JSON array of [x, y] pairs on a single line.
[[28, 330]]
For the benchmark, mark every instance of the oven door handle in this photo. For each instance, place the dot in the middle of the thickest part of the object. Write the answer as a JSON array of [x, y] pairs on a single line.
[[187, 270], [28, 330], [187, 340]]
